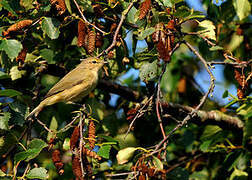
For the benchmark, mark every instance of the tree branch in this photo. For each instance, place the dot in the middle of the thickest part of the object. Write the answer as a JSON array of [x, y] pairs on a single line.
[[213, 117], [122, 91]]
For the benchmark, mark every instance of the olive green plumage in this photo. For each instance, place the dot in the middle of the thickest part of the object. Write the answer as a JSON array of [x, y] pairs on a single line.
[[75, 85]]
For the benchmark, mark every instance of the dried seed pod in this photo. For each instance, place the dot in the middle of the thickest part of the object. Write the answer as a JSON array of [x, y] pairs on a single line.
[[75, 138], [240, 93], [91, 154], [113, 27], [76, 167], [182, 85], [91, 42], [57, 161], [144, 8], [60, 6], [164, 38], [91, 134], [81, 33], [111, 54], [240, 78], [17, 26], [98, 40], [22, 55], [98, 10]]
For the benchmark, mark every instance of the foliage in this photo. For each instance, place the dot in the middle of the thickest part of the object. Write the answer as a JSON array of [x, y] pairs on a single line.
[[121, 136]]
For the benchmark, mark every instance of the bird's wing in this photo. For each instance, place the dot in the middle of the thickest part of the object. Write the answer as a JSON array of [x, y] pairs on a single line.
[[74, 77]]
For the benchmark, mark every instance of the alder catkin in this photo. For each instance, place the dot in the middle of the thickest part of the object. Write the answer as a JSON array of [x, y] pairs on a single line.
[[17, 26], [75, 138], [60, 5], [81, 33], [144, 8], [91, 134], [56, 158]]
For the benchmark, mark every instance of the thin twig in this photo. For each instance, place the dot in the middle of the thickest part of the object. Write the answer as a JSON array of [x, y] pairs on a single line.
[[119, 174], [68, 125], [81, 144], [124, 13], [83, 17], [158, 100], [44, 125], [243, 63]]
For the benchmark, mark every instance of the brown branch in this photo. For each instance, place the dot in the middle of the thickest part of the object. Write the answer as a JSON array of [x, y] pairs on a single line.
[[122, 91], [123, 17], [81, 144], [241, 64]]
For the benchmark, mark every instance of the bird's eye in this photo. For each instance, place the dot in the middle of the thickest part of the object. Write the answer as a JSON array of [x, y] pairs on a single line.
[[94, 62]]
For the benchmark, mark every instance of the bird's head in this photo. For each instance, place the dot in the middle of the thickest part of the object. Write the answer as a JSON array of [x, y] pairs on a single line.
[[92, 63]]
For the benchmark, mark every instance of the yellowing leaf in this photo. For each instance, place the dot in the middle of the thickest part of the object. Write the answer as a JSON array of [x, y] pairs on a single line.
[[15, 73], [235, 42], [124, 155], [242, 8], [209, 31]]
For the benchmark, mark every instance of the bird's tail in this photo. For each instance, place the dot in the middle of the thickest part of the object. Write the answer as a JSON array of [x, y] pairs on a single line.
[[35, 111]]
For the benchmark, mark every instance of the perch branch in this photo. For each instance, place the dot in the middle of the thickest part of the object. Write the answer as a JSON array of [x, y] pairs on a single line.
[[122, 91]]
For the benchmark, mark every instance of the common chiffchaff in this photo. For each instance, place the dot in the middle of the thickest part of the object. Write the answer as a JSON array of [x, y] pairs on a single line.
[[74, 86]]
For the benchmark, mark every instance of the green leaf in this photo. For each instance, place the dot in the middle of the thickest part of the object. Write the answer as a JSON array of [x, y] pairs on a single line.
[[15, 73], [232, 159], [209, 131], [50, 26], [18, 113], [205, 145], [158, 163], [11, 46], [86, 5], [166, 3], [131, 14], [225, 94], [7, 5], [215, 48], [124, 155], [148, 71], [235, 42], [27, 4], [10, 93], [68, 6], [4, 119], [34, 148], [239, 175], [48, 55], [182, 12], [179, 174], [37, 173], [3, 75], [104, 151], [242, 7], [209, 31], [145, 33]]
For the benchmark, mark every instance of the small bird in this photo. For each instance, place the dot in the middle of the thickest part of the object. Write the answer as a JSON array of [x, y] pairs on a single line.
[[74, 86]]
